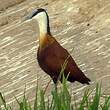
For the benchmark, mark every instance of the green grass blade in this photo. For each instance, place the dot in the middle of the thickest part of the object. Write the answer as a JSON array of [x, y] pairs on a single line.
[[42, 100], [106, 105], [96, 99], [66, 95], [36, 99], [56, 100], [3, 101], [84, 101]]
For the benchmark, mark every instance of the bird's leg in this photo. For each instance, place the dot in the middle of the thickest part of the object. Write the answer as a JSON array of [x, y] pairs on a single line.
[[47, 85], [55, 83]]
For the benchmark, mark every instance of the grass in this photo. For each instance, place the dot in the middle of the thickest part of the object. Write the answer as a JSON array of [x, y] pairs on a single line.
[[62, 100]]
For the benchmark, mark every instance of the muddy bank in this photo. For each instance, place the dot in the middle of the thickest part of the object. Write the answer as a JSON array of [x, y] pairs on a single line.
[[81, 26]]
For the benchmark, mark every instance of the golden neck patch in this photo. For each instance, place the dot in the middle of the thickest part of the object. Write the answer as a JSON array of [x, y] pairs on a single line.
[[45, 40]]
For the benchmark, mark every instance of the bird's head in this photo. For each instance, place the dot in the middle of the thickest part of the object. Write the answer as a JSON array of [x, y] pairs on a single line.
[[37, 14], [41, 16]]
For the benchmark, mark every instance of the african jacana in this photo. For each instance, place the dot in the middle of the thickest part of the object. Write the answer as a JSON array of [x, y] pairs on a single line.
[[51, 55]]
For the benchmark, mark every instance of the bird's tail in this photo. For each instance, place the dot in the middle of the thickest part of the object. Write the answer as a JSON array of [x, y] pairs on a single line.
[[82, 78]]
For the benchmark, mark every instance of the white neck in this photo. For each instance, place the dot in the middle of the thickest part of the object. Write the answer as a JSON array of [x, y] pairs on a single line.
[[42, 22]]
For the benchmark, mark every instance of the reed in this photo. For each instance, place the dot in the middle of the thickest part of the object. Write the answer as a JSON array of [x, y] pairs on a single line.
[[61, 100]]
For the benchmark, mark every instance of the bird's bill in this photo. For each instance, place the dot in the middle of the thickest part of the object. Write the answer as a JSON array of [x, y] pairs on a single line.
[[28, 17]]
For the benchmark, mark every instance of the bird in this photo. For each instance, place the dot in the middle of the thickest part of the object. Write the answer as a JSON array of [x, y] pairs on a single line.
[[51, 55]]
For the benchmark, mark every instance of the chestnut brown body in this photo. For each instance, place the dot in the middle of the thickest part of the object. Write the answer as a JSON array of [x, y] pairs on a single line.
[[52, 56]]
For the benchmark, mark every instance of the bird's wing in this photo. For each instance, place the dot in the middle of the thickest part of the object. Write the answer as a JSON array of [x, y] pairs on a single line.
[[55, 57]]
